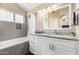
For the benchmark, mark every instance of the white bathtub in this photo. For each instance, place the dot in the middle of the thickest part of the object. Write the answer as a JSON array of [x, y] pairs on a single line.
[[12, 42]]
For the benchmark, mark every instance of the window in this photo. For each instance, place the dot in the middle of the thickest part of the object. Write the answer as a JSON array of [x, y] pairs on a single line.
[[19, 18], [11, 17], [6, 16], [18, 26]]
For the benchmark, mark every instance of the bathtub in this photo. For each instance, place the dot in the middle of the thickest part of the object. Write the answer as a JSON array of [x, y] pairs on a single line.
[[18, 46]]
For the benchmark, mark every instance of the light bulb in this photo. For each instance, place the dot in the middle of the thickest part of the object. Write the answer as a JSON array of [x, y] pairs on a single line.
[[44, 10], [54, 6]]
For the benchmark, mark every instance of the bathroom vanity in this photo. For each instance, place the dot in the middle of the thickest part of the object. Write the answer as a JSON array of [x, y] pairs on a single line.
[[58, 20], [43, 44]]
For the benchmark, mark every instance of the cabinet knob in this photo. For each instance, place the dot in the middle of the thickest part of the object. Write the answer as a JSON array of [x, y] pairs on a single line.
[[50, 46]]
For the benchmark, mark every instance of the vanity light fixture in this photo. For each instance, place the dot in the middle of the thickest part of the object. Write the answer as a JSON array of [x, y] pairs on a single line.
[[54, 6], [48, 9], [39, 11], [43, 10]]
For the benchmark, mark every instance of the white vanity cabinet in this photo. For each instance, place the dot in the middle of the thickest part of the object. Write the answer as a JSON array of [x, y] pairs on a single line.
[[55, 46], [77, 47], [41, 45], [65, 47], [33, 44]]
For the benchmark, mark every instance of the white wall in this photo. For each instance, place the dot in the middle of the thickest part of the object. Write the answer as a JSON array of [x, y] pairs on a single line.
[[39, 22], [8, 29]]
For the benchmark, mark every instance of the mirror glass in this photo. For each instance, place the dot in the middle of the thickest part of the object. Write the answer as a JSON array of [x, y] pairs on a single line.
[[58, 18]]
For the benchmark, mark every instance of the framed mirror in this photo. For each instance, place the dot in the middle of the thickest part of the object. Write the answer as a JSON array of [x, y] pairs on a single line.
[[59, 18]]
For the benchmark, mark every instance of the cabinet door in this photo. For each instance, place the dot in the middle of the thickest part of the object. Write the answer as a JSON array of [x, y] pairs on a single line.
[[77, 47], [63, 50], [34, 44], [45, 46], [53, 45], [65, 47]]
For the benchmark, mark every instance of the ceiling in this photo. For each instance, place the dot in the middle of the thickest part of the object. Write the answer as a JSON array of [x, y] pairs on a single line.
[[33, 7], [29, 6]]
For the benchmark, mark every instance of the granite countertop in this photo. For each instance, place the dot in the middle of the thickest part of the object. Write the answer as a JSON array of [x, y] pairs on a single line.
[[66, 37]]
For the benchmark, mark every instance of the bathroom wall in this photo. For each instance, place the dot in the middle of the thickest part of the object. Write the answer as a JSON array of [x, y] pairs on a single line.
[[8, 29], [39, 22]]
